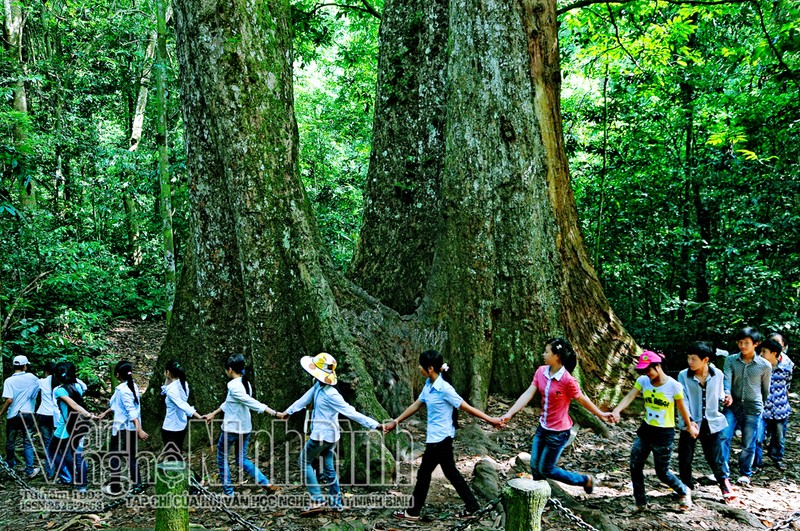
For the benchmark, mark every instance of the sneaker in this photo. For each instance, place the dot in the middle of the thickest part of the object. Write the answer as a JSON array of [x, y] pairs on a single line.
[[464, 514], [726, 487], [636, 509], [404, 515], [743, 481], [780, 466], [83, 490], [34, 473], [685, 501]]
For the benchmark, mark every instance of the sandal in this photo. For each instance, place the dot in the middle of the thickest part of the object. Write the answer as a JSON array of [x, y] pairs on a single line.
[[314, 508], [464, 514]]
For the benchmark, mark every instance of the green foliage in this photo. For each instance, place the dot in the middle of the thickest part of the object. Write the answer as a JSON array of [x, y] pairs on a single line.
[[334, 95], [692, 243], [68, 269]]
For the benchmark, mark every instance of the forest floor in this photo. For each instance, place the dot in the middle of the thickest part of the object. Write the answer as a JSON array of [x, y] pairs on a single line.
[[772, 497]]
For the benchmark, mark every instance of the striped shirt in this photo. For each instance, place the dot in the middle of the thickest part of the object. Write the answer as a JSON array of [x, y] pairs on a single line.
[[747, 383]]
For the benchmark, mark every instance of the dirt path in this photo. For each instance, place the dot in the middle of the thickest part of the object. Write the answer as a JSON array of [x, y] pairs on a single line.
[[772, 496]]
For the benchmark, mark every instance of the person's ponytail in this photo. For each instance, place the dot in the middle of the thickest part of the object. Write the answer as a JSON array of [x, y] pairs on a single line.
[[124, 372], [177, 371], [237, 363], [561, 348]]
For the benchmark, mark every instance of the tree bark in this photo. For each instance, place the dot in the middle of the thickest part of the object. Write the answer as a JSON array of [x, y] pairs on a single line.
[[393, 260]]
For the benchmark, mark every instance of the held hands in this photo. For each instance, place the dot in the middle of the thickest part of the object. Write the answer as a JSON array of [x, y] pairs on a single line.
[[609, 417], [389, 426], [693, 430], [282, 415], [727, 401], [208, 417]]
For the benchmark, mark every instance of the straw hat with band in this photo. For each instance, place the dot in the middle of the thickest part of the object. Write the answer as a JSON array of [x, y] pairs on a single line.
[[322, 367]]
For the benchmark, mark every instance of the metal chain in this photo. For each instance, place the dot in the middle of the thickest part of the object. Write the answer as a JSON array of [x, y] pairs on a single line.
[[574, 518], [38, 493], [474, 517], [786, 523], [223, 506]]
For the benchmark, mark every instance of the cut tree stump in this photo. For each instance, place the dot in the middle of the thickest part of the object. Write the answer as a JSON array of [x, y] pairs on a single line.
[[524, 501], [172, 491]]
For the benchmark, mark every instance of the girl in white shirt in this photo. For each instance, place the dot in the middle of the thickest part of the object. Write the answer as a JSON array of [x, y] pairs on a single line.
[[236, 426], [127, 425], [176, 392]]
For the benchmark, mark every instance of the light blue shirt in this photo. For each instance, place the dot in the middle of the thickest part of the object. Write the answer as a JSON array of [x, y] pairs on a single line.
[[714, 392], [61, 421], [440, 398], [328, 405]]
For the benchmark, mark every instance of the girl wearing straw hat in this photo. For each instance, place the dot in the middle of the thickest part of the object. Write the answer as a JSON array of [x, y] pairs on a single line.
[[442, 403], [328, 404]]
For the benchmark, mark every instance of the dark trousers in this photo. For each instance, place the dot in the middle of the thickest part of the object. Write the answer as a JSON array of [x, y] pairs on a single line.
[[437, 454], [173, 444], [712, 450], [659, 441], [20, 425], [123, 448]]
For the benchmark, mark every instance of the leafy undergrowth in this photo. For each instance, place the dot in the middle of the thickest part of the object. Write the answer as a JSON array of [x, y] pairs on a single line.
[[772, 497]]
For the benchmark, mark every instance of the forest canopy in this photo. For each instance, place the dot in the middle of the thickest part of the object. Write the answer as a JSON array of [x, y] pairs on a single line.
[[681, 123]]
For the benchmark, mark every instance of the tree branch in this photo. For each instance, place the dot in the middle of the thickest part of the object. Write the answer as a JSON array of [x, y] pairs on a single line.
[[368, 9], [583, 3], [772, 47]]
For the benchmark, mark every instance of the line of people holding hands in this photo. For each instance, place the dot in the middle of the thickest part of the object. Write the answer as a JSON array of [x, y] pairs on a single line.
[[751, 395]]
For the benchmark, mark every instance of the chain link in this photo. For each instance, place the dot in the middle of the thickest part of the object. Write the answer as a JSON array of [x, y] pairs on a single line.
[[574, 518], [220, 502], [786, 523], [474, 517]]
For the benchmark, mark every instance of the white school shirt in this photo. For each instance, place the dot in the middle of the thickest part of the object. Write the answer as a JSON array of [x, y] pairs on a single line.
[[125, 408], [178, 410], [237, 408], [328, 405], [441, 399], [21, 388], [48, 405]]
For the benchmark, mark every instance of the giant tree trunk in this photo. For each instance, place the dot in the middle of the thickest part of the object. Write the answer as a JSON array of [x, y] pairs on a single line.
[[505, 266], [393, 259]]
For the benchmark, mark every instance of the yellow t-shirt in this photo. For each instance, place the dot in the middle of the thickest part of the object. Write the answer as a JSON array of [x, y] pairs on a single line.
[[659, 402]]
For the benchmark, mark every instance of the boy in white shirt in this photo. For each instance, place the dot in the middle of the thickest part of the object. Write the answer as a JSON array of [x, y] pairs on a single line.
[[19, 394]]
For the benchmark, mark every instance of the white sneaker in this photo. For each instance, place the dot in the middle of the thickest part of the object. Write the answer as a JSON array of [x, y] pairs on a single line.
[[34, 473], [685, 501], [743, 480]]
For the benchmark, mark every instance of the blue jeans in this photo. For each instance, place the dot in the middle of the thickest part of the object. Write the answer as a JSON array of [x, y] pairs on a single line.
[[65, 462], [45, 423], [308, 455], [659, 441], [749, 424], [236, 442], [775, 429], [20, 425], [545, 451]]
